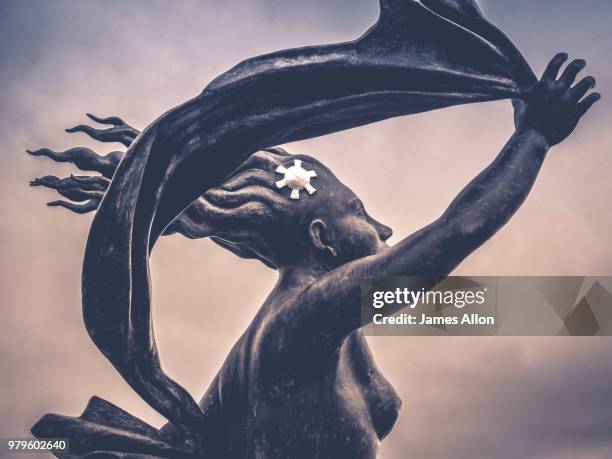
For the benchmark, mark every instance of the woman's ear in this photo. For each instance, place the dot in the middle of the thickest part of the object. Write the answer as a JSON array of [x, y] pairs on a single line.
[[317, 231], [320, 236]]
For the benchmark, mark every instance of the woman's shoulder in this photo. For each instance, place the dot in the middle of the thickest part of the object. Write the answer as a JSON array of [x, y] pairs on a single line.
[[284, 333]]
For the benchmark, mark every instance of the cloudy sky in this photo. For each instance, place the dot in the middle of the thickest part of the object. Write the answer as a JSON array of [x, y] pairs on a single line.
[[465, 398]]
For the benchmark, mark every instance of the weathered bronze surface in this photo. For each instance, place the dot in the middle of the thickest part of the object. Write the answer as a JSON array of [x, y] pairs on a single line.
[[301, 381]]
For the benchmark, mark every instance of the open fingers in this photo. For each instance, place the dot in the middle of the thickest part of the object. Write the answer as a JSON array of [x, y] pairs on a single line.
[[587, 103], [582, 87], [571, 72], [552, 70]]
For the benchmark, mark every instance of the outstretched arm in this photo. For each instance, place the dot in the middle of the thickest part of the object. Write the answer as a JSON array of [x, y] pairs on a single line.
[[549, 114]]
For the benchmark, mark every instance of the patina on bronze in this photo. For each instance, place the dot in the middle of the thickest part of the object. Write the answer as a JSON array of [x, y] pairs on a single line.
[[301, 381]]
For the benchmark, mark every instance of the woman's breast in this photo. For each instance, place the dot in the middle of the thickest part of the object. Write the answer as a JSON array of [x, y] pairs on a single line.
[[311, 409], [324, 419], [359, 373], [307, 409]]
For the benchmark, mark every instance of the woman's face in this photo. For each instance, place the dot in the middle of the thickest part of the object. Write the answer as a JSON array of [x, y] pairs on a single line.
[[257, 218], [352, 232]]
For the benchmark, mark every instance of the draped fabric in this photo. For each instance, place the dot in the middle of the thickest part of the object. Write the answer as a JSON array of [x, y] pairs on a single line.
[[105, 431], [419, 56]]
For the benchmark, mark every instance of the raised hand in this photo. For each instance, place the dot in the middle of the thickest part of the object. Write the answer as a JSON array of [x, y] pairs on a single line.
[[553, 107]]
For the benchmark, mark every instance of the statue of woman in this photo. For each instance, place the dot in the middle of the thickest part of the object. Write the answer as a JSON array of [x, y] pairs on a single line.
[[301, 381]]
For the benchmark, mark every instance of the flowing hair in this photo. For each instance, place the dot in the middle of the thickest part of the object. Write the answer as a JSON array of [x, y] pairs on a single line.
[[247, 214]]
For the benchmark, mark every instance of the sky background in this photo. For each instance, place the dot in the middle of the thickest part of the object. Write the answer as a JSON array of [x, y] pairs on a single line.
[[464, 398]]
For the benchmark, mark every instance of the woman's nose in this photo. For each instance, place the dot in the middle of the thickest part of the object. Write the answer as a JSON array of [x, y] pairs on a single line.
[[384, 232]]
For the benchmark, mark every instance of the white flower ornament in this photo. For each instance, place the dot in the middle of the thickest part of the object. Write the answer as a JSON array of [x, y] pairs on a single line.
[[296, 178]]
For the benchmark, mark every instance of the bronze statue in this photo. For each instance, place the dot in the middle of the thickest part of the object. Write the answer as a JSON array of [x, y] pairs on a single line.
[[300, 382]]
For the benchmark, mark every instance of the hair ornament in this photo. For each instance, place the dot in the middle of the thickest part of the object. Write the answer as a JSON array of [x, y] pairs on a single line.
[[296, 178]]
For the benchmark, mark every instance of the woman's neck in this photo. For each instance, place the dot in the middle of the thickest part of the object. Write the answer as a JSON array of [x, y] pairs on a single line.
[[301, 274]]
